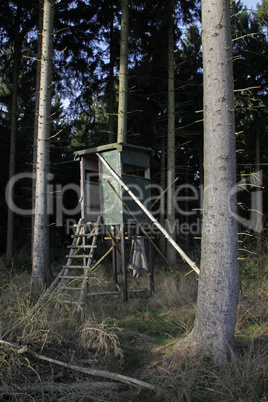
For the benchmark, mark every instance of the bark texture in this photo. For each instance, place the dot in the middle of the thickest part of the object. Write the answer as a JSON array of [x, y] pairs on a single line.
[[41, 264], [171, 226], [123, 75], [214, 325], [162, 240], [259, 200], [36, 106]]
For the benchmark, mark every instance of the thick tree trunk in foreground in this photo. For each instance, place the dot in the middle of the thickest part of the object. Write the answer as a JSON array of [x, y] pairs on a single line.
[[214, 326], [40, 266], [36, 107], [171, 226], [123, 75]]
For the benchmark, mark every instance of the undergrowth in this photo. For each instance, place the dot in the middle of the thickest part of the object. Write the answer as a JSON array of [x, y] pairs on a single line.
[[134, 338]]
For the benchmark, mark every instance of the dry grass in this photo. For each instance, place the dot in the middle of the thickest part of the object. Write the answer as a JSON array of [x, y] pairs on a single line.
[[21, 323], [182, 377], [101, 335], [150, 328], [62, 335], [175, 292], [185, 378]]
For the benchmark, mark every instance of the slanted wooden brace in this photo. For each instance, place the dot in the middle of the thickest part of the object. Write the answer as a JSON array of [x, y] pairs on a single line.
[[152, 218]]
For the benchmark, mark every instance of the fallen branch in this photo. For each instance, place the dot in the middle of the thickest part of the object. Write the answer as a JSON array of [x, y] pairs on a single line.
[[97, 373]]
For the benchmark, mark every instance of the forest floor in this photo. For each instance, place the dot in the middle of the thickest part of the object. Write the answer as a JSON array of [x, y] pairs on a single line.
[[58, 355]]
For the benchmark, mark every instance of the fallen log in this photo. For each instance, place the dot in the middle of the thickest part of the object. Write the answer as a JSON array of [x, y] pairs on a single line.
[[96, 373]]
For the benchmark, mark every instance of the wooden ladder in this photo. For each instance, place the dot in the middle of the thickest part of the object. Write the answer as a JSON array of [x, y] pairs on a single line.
[[73, 278]]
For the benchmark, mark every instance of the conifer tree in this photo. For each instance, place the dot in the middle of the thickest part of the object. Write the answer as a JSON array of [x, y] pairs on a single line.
[[171, 142], [213, 333], [41, 260], [123, 75]]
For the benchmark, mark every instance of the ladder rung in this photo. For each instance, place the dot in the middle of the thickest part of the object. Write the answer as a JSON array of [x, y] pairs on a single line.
[[71, 281], [116, 238], [76, 266], [81, 235], [78, 256], [85, 246], [84, 225]]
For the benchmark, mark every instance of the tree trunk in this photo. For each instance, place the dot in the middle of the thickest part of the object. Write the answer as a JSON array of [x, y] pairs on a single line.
[[36, 108], [162, 240], [40, 266], [111, 93], [13, 129], [259, 183], [186, 213], [123, 76], [214, 326], [171, 224]]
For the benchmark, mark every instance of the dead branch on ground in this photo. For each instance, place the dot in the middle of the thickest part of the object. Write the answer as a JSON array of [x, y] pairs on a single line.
[[97, 373]]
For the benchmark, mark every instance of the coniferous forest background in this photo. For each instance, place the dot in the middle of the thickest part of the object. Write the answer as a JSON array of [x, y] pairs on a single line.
[[85, 94]]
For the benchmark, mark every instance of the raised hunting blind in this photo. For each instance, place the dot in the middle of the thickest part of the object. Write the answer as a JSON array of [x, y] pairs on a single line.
[[115, 203], [109, 212], [103, 196]]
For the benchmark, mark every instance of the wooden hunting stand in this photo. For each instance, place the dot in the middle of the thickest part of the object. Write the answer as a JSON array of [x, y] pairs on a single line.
[[109, 211], [115, 197], [102, 195]]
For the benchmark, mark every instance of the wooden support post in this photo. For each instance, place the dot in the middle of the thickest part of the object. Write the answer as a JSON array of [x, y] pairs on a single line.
[[114, 260], [151, 267], [82, 188], [123, 262], [85, 252]]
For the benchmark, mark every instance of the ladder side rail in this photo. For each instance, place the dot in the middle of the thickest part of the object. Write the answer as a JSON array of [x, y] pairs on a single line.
[[89, 262], [65, 271], [75, 243], [62, 272]]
